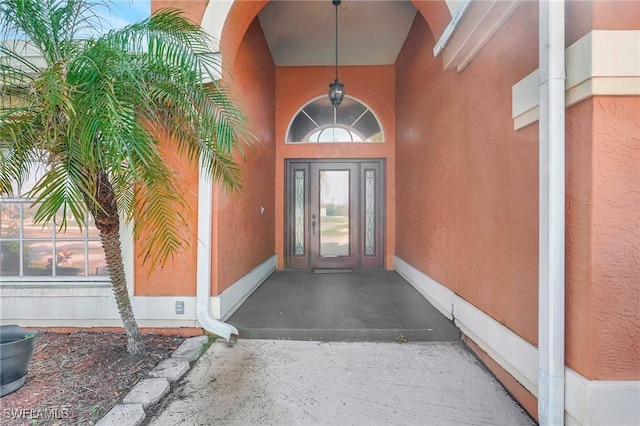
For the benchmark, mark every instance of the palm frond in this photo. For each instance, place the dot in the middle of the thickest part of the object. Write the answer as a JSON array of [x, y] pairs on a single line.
[[58, 191], [18, 154], [98, 104], [160, 220]]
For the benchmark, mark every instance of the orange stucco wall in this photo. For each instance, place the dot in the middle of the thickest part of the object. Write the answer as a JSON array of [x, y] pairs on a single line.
[[192, 9], [243, 238], [436, 13], [584, 16], [374, 86], [603, 238], [466, 182], [177, 277], [241, 15], [615, 243]]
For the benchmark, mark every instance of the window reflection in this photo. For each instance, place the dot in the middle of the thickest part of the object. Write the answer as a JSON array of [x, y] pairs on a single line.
[[9, 220], [38, 258]]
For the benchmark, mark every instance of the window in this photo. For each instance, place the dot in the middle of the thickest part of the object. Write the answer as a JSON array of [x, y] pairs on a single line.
[[30, 250], [319, 122]]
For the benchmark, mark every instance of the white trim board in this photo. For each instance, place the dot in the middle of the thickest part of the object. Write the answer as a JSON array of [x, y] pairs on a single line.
[[587, 402], [603, 62], [226, 303], [470, 28], [213, 19], [593, 402]]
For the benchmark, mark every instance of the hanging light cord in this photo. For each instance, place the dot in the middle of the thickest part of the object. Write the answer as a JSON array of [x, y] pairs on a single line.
[[336, 3]]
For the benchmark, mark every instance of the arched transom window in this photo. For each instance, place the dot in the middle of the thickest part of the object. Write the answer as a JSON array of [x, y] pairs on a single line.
[[319, 122]]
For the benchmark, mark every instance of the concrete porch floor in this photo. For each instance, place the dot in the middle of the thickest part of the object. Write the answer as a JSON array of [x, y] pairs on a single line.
[[366, 305]]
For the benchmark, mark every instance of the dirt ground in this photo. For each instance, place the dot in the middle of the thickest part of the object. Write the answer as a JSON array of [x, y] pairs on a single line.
[[77, 378]]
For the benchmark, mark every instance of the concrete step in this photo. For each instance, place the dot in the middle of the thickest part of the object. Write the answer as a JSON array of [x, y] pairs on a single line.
[[448, 334]]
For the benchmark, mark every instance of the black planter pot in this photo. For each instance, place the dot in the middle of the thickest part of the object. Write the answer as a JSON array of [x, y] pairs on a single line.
[[16, 349]]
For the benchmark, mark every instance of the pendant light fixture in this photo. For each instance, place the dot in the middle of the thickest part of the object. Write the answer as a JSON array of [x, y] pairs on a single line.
[[336, 89]]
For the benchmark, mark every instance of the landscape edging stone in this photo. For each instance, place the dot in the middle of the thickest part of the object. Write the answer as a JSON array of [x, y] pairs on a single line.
[[133, 414]]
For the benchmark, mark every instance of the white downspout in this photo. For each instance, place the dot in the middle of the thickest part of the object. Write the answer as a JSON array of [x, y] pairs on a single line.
[[203, 290], [213, 21], [552, 215]]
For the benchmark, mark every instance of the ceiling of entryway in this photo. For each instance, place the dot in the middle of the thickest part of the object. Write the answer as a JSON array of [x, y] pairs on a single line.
[[302, 33]]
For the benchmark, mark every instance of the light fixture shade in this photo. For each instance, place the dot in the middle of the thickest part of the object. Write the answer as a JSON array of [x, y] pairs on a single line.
[[336, 93]]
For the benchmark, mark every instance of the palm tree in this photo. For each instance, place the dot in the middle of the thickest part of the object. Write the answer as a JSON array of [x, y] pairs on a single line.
[[92, 109]]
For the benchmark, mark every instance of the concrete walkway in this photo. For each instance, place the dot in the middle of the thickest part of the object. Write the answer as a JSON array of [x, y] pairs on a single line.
[[279, 382]]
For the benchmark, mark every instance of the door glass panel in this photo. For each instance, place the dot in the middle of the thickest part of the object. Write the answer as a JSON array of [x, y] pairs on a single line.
[[369, 212], [334, 213], [299, 187]]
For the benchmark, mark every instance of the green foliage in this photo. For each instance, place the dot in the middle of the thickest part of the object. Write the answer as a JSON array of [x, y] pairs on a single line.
[[96, 103], [401, 338]]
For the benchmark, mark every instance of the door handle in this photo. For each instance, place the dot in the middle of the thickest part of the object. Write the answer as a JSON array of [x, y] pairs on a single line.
[[313, 224]]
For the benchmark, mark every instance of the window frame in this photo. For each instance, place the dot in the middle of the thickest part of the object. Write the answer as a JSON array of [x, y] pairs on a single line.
[[53, 241], [323, 127]]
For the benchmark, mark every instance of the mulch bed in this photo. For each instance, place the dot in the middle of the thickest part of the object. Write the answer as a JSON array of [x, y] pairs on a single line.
[[77, 378]]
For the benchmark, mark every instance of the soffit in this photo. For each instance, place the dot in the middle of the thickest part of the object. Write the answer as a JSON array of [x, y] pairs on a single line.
[[302, 33]]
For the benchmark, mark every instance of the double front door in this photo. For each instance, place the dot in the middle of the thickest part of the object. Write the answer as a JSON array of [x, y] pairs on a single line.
[[334, 214]]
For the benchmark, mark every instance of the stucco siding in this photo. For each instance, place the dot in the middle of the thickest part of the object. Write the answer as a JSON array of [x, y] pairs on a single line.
[[466, 183], [615, 245], [243, 236], [178, 278]]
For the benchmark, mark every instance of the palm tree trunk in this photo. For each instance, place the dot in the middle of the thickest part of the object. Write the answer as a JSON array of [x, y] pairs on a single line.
[[113, 255], [105, 213]]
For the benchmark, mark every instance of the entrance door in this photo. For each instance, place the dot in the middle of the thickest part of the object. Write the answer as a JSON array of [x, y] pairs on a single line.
[[334, 214]]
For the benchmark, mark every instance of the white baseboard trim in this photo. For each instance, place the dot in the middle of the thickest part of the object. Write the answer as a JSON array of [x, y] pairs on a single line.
[[599, 402], [438, 295], [587, 402], [514, 354], [226, 303]]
